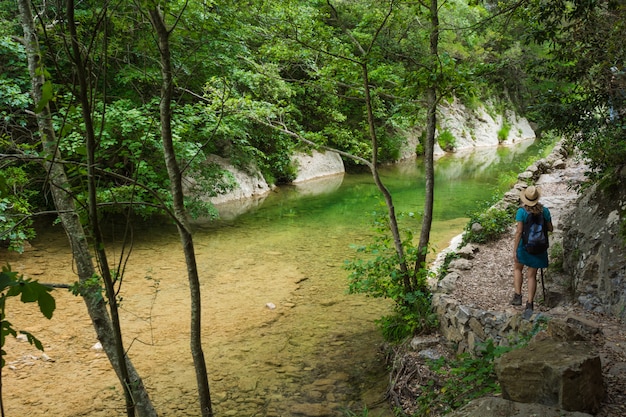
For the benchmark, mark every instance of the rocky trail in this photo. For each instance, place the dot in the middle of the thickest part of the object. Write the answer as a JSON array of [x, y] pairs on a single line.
[[486, 283]]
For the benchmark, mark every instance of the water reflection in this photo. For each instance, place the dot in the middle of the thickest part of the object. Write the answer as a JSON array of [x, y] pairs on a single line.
[[461, 180]]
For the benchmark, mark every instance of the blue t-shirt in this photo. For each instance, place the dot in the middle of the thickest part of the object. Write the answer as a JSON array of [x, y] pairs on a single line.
[[534, 261]]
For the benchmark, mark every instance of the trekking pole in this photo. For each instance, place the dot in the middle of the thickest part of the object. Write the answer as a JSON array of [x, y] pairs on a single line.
[[543, 286]]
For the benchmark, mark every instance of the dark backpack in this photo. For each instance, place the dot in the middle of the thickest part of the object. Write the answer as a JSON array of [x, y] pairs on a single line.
[[535, 235]]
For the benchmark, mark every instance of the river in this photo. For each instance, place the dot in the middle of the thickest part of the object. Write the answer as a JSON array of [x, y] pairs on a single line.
[[281, 335]]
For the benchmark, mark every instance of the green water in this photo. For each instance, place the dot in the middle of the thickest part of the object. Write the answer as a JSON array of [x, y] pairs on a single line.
[[317, 351], [346, 204]]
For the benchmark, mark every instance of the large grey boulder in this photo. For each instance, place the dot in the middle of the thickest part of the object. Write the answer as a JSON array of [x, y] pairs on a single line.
[[498, 407], [567, 375]]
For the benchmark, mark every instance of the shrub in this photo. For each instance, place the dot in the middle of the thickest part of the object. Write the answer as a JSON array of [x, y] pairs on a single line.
[[379, 276], [466, 377], [446, 140], [494, 223], [443, 269], [461, 380], [503, 133], [556, 257]]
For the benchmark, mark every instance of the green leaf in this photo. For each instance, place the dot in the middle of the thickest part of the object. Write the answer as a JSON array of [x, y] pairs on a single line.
[[7, 279], [47, 304], [46, 96], [34, 291], [6, 329], [32, 340]]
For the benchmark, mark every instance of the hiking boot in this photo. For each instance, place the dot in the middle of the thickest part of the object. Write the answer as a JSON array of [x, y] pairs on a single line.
[[517, 300], [528, 312]]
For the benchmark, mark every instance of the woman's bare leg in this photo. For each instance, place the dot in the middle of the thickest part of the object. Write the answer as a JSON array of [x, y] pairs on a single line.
[[532, 284], [518, 277]]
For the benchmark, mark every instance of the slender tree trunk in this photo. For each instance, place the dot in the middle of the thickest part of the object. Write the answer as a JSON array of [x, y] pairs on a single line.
[[61, 194], [393, 221], [184, 230], [90, 140], [429, 146]]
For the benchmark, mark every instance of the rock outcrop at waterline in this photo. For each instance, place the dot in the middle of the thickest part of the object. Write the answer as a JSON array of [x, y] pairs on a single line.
[[473, 128]]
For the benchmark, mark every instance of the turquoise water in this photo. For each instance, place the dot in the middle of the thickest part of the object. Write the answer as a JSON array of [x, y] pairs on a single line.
[[463, 182]]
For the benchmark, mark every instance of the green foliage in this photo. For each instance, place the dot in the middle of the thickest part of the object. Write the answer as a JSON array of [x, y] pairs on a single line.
[[443, 269], [503, 133], [556, 257], [604, 147], [15, 206], [460, 380], [12, 285], [379, 275], [14, 97], [293, 64], [494, 222], [419, 146], [446, 140], [506, 180], [522, 338], [92, 289], [580, 95]]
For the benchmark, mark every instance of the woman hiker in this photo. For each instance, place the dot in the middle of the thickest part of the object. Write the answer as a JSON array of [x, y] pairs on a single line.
[[530, 205]]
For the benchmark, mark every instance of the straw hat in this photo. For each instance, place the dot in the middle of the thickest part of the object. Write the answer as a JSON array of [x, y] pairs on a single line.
[[530, 196]]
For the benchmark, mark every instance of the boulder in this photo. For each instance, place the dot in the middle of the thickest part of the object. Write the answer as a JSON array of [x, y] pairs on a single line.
[[468, 251], [448, 283], [317, 164], [498, 407], [246, 184], [460, 264], [572, 329], [567, 375]]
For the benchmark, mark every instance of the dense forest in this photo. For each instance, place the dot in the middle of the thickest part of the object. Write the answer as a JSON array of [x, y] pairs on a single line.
[[106, 106]]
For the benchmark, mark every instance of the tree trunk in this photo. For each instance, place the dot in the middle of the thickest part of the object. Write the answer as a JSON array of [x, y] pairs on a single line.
[[62, 196], [184, 231], [429, 146], [90, 142], [393, 221]]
